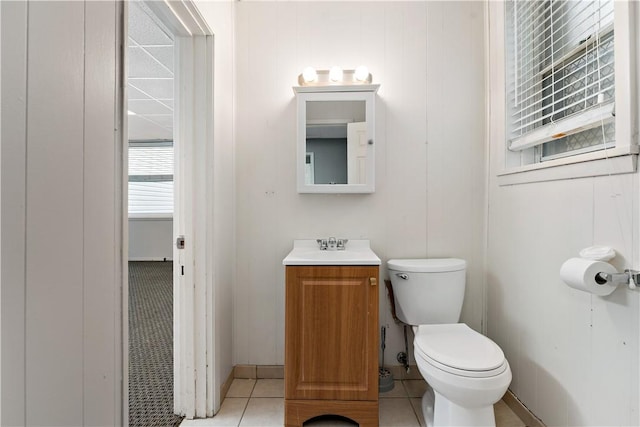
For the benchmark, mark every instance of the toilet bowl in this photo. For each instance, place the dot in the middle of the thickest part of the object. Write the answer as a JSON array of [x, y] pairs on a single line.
[[466, 372]]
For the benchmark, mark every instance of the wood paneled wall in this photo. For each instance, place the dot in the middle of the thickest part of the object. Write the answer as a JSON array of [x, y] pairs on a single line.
[[428, 57], [61, 214]]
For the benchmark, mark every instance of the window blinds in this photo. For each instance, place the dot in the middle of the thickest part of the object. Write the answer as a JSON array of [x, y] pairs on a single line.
[[150, 178], [562, 60]]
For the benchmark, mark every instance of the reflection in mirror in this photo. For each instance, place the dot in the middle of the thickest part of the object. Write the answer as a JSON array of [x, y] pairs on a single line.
[[309, 174], [336, 142]]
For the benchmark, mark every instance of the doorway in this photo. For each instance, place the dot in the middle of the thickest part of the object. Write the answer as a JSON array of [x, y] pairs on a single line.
[[190, 142], [150, 111]]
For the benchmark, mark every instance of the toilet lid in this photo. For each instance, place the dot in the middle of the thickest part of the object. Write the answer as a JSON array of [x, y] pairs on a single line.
[[432, 265], [458, 349]]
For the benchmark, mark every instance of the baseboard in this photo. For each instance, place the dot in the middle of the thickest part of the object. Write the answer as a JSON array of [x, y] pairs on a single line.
[[245, 371], [224, 388], [258, 371], [277, 371], [521, 410]]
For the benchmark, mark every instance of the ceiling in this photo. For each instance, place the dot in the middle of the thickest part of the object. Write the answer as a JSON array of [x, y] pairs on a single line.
[[150, 82]]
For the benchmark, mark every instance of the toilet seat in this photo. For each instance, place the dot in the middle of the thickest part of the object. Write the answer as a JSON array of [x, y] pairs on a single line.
[[459, 350]]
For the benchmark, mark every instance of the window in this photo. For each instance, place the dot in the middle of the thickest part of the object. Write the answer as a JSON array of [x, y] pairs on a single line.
[[150, 179], [560, 77]]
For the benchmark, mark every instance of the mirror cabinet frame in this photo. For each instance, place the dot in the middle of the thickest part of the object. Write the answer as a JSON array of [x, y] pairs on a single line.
[[305, 94]]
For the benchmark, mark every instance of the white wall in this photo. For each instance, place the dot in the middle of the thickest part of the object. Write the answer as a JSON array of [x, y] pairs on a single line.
[[150, 239], [428, 58], [0, 223], [61, 224], [574, 356]]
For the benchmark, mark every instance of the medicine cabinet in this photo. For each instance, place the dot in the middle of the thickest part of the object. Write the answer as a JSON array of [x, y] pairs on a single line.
[[335, 139]]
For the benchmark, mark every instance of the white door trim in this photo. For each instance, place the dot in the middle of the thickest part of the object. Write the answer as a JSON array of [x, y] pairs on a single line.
[[194, 392]]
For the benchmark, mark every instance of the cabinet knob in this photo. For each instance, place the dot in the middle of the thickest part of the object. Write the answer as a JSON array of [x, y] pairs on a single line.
[[373, 281]]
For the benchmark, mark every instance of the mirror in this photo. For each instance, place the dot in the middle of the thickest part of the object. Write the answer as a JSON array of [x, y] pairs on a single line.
[[335, 142]]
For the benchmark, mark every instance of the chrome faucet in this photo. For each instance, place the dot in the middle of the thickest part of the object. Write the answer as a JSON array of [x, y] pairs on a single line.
[[332, 244]]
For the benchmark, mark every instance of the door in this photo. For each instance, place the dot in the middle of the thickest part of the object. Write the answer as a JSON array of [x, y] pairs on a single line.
[[357, 152], [193, 286]]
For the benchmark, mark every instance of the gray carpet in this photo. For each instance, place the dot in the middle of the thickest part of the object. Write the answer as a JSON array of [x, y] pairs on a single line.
[[151, 345]]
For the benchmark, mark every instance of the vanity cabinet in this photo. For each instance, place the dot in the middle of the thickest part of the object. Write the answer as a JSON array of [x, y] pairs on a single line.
[[331, 343]]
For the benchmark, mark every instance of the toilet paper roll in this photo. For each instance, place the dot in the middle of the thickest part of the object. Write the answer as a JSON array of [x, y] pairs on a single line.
[[581, 274]]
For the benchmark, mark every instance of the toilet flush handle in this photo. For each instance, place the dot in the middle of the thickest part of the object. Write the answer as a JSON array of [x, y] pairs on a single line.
[[403, 276]]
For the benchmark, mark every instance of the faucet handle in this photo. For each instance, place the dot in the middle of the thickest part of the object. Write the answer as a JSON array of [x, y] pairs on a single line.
[[322, 243], [342, 243]]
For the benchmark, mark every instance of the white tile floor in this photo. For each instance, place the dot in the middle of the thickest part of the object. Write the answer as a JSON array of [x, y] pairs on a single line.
[[256, 403]]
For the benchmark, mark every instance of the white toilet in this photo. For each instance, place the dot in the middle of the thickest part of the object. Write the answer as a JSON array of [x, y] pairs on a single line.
[[467, 372]]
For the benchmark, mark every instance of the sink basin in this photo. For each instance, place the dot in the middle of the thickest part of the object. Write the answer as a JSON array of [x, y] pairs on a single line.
[[306, 252]]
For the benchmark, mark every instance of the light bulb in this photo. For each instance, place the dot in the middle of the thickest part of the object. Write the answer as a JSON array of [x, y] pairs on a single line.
[[362, 73], [335, 74], [309, 74]]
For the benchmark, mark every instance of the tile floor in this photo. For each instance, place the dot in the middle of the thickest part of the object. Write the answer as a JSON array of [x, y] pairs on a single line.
[[260, 403]]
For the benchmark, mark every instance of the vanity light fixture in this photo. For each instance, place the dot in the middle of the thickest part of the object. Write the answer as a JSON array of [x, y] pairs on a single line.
[[336, 76], [309, 75], [361, 74]]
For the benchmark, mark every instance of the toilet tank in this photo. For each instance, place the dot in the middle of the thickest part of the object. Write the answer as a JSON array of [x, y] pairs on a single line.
[[428, 291]]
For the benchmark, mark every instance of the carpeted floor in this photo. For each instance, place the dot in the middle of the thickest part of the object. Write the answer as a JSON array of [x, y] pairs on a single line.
[[151, 345]]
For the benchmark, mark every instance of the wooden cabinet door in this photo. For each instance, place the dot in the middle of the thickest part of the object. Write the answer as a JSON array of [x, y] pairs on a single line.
[[331, 332]]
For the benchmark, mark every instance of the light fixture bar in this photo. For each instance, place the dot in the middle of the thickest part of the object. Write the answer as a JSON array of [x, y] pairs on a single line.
[[323, 78]]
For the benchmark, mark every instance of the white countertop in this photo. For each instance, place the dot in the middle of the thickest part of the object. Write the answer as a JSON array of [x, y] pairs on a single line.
[[306, 252]]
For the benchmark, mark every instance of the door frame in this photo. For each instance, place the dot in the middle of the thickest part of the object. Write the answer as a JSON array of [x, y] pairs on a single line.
[[195, 394]]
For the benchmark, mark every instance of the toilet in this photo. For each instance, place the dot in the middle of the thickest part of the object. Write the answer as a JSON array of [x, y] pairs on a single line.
[[466, 372]]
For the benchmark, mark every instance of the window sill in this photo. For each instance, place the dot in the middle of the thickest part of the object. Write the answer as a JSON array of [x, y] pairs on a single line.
[[612, 161], [150, 217]]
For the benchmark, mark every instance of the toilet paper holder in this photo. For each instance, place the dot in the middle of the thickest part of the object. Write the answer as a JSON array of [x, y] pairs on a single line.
[[630, 278]]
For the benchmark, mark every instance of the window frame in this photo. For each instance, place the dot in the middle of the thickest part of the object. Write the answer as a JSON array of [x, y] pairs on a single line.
[[523, 166]]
